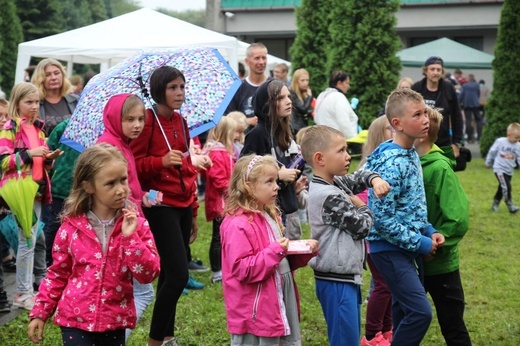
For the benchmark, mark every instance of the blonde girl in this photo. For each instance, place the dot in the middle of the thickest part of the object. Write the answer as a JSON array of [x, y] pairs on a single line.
[[22, 140], [101, 246], [302, 98], [379, 131], [219, 147], [259, 290], [240, 128], [405, 82]]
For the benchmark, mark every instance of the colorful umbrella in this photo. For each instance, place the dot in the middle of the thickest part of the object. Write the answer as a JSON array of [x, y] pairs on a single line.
[[210, 86], [19, 192]]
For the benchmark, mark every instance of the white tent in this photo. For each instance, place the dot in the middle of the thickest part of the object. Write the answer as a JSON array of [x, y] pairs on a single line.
[[113, 40]]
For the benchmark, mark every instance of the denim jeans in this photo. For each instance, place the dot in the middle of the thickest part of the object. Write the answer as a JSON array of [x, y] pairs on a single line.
[[25, 256], [143, 297], [40, 266]]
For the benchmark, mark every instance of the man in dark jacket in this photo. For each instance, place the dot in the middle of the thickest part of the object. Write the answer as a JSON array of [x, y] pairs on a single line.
[[469, 98], [437, 93]]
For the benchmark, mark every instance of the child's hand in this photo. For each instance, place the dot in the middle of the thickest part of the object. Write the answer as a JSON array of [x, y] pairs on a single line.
[[40, 151], [36, 324], [284, 243], [300, 185], [313, 243], [380, 187], [357, 201], [288, 175], [129, 222], [54, 154], [201, 161], [438, 239], [173, 158], [146, 202]]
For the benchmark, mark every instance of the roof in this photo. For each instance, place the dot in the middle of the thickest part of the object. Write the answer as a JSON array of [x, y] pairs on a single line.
[[454, 55]]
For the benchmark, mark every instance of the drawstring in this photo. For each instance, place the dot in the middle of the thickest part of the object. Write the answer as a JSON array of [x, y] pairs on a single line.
[[104, 224]]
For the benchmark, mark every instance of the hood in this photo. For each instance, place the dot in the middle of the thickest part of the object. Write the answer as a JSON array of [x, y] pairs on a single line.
[[436, 153], [387, 151], [260, 98], [112, 118]]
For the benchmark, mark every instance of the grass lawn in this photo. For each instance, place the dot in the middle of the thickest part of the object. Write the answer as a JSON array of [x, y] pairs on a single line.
[[489, 267]]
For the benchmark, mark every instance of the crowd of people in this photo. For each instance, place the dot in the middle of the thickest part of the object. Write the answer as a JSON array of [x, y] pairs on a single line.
[[110, 220]]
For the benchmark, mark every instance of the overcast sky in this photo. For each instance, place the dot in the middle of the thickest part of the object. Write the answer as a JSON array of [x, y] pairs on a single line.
[[174, 5]]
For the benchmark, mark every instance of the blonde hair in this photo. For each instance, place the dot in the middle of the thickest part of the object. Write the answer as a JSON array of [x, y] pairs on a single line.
[[317, 138], [435, 123], [300, 134], [224, 133], [513, 128], [4, 103], [398, 100], [132, 102], [404, 79], [240, 193], [297, 75], [88, 165], [19, 92], [241, 120], [38, 77], [376, 136]]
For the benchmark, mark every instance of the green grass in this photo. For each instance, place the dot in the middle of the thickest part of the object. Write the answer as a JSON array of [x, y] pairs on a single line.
[[489, 268]]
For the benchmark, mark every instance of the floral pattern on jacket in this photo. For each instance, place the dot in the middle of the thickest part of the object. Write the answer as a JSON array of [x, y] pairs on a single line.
[[90, 290]]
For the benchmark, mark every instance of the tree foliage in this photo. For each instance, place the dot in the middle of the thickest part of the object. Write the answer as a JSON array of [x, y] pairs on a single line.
[[504, 101], [11, 36], [196, 17], [309, 50], [363, 43], [40, 18]]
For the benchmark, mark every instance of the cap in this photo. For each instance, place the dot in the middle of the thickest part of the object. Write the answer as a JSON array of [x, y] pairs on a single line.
[[434, 60]]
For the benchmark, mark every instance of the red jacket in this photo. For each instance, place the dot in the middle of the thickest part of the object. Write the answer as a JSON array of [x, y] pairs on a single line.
[[149, 150], [217, 179], [90, 290]]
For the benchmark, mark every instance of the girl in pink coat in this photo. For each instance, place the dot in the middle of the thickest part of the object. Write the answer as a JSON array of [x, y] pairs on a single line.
[[101, 245], [261, 298]]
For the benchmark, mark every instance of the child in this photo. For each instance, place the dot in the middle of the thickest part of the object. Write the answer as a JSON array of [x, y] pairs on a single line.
[[502, 156], [102, 245], [378, 325], [23, 140], [241, 126], [123, 118], [339, 222], [260, 294], [219, 147], [401, 231], [448, 212]]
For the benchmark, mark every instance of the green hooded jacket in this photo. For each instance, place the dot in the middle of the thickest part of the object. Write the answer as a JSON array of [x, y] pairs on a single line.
[[447, 206]]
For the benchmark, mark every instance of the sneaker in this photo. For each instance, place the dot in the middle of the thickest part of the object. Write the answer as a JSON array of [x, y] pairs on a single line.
[[197, 266], [193, 284], [494, 207], [185, 291], [24, 301], [378, 340], [216, 277], [513, 209], [389, 336], [9, 266], [4, 304], [171, 342]]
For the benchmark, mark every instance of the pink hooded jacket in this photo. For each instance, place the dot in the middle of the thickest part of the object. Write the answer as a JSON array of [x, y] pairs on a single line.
[[249, 265], [90, 290], [113, 135]]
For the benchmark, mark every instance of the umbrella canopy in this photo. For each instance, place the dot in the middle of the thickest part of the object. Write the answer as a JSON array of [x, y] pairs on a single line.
[[19, 192], [454, 55], [210, 85]]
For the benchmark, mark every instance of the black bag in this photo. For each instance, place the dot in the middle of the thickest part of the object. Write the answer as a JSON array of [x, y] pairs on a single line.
[[464, 157]]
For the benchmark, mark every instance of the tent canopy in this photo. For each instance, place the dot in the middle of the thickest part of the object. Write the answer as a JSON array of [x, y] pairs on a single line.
[[454, 55], [115, 39]]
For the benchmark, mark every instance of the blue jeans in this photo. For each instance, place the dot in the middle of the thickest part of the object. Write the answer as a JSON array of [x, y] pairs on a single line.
[[411, 310], [143, 297], [341, 305], [25, 256]]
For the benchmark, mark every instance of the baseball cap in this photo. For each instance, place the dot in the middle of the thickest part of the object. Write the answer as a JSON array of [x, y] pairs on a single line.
[[434, 60]]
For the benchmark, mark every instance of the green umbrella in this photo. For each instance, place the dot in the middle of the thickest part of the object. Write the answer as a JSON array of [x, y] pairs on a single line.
[[19, 192]]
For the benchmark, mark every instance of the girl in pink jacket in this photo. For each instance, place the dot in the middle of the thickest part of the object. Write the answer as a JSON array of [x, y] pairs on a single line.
[[261, 298], [101, 245]]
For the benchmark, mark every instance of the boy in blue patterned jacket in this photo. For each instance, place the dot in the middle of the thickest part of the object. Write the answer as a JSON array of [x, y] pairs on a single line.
[[401, 233], [340, 221]]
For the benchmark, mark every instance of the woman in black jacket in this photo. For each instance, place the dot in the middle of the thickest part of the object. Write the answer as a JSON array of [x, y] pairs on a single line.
[[302, 98]]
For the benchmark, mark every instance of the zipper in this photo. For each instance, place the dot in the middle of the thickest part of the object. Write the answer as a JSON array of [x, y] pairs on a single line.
[[257, 299]]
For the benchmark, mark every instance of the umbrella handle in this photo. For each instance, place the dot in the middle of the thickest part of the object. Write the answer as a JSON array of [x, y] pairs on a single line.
[[18, 165]]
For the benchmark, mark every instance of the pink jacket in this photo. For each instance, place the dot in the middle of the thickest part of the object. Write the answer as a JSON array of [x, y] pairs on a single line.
[[249, 265], [217, 179], [90, 290]]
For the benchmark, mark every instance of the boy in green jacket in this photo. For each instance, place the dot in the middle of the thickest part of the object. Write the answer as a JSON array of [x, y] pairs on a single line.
[[447, 206]]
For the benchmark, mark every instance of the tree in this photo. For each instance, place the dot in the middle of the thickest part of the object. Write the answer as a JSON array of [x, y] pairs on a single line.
[[504, 101], [309, 49], [98, 9], [12, 35], [40, 18], [363, 43], [76, 14]]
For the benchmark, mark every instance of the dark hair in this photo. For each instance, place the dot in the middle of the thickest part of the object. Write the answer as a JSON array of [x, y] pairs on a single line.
[[158, 80], [337, 76]]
